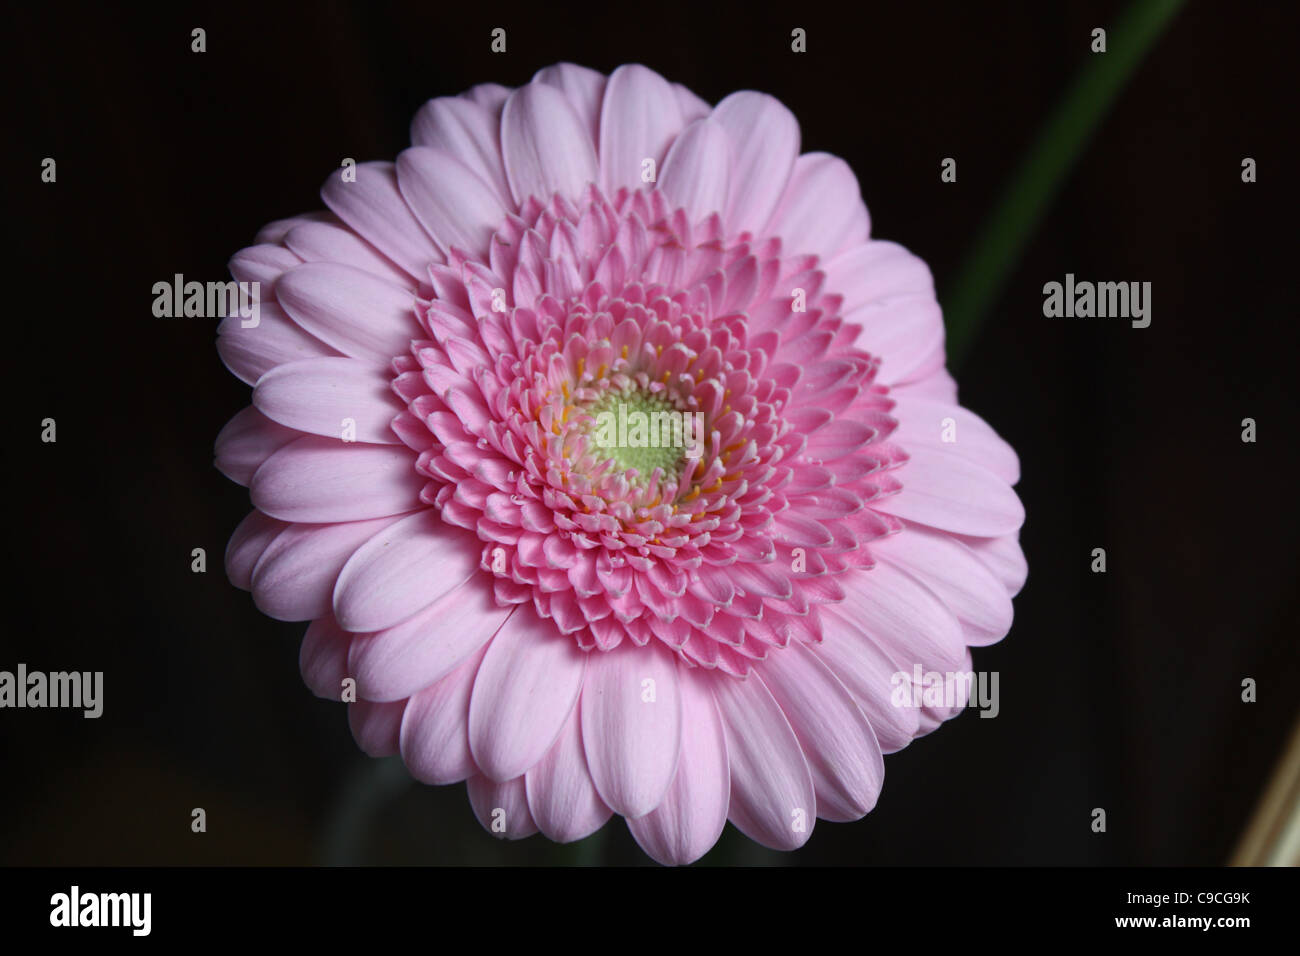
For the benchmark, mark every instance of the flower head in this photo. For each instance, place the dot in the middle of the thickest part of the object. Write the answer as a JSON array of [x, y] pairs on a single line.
[[616, 464]]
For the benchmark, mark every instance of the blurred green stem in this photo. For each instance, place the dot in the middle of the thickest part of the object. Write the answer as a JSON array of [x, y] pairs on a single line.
[[371, 786], [1043, 169]]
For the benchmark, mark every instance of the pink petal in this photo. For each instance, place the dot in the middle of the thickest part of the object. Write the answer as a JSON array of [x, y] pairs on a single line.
[[867, 672], [252, 352], [764, 138], [375, 727], [822, 211], [320, 395], [561, 796], [276, 230], [951, 571], [632, 725], [294, 578], [434, 736], [350, 310], [467, 131], [836, 738], [924, 422], [524, 692], [401, 570], [695, 172], [692, 106], [327, 242], [263, 264], [906, 333], [946, 491], [399, 661], [772, 796], [316, 479], [323, 658], [638, 121], [247, 545], [246, 441], [1003, 556], [490, 96], [502, 808], [547, 149], [451, 200], [876, 272], [938, 386], [904, 617], [688, 821], [584, 89], [374, 207]]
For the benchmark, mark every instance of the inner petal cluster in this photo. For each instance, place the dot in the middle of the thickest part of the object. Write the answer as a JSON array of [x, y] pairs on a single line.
[[720, 543]]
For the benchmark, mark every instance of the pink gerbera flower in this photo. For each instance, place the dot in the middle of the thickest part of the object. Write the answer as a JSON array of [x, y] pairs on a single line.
[[577, 626]]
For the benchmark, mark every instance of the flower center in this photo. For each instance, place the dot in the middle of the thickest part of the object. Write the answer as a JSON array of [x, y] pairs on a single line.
[[642, 431]]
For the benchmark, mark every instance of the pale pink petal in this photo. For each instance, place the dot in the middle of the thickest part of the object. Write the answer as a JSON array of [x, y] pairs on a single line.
[[490, 96], [584, 88], [247, 545], [373, 206], [276, 230], [951, 571], [263, 264], [294, 578], [632, 725], [822, 211], [400, 660], [948, 492], [692, 106], [524, 692], [878, 271], [561, 795], [955, 430], [1003, 556], [350, 310], [764, 138], [904, 617], [836, 738], [547, 149], [938, 386], [401, 570], [328, 242], [333, 397], [316, 479], [638, 121], [690, 818], [375, 726], [434, 736], [323, 658], [695, 172], [250, 351], [502, 807], [907, 334], [246, 441], [772, 797], [867, 671], [467, 131], [452, 201]]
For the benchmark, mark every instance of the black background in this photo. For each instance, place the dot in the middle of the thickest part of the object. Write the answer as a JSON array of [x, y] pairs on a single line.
[[1119, 691]]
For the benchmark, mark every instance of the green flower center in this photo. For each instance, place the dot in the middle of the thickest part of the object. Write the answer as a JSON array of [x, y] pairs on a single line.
[[641, 431]]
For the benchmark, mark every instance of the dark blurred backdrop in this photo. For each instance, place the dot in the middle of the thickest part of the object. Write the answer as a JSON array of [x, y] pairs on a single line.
[[1119, 691]]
